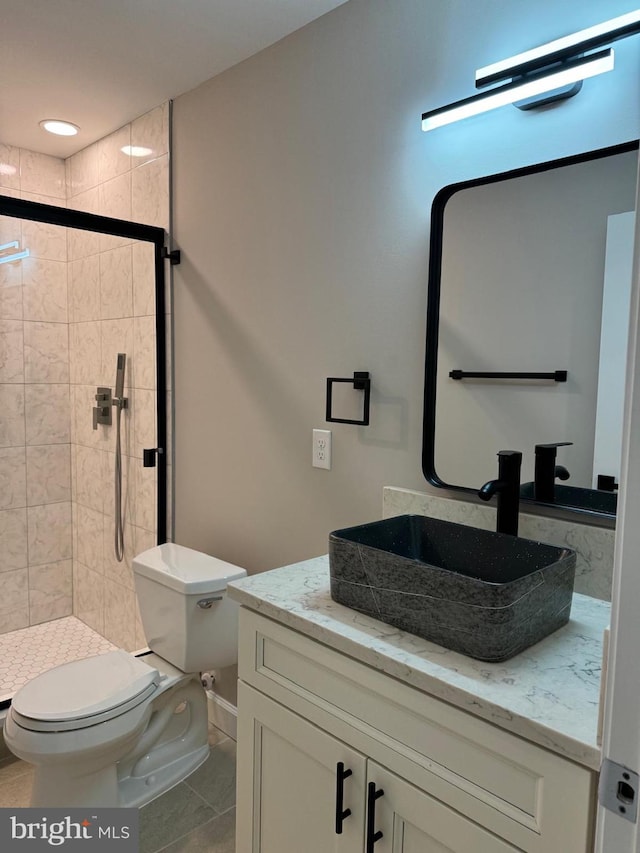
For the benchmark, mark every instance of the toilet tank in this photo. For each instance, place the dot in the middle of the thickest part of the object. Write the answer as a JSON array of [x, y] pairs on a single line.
[[187, 616]]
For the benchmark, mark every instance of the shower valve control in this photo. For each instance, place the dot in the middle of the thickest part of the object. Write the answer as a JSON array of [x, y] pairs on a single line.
[[102, 409]]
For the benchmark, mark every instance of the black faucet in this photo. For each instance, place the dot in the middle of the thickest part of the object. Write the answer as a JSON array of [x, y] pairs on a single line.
[[507, 487], [546, 471]]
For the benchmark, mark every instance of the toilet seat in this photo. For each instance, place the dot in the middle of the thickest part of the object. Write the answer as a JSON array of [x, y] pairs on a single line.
[[84, 692]]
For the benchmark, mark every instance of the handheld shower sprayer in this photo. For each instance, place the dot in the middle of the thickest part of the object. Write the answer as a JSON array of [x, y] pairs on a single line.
[[122, 360], [120, 402]]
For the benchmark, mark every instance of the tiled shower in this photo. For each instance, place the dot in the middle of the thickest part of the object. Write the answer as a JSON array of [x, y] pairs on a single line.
[[66, 311]]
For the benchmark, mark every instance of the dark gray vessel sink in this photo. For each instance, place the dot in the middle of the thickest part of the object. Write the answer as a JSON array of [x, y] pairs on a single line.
[[487, 595], [593, 500]]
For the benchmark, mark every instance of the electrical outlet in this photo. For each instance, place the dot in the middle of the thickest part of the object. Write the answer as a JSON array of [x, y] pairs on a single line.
[[321, 448]]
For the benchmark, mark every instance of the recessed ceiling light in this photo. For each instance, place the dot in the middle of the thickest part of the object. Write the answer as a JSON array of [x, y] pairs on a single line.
[[136, 150], [61, 128]]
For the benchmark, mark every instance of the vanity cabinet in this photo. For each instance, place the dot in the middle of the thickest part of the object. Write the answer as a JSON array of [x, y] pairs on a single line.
[[321, 735]]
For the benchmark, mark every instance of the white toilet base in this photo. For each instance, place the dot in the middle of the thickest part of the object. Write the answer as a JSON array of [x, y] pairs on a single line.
[[164, 742], [137, 791]]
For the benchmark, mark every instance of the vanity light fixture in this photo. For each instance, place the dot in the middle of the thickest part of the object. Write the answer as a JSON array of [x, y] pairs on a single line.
[[60, 128], [554, 70]]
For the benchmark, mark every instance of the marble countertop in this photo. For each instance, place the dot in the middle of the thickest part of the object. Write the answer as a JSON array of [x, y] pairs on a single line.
[[548, 694]]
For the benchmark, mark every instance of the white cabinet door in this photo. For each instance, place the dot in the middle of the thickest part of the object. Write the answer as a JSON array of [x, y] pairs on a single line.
[[287, 783], [413, 822]]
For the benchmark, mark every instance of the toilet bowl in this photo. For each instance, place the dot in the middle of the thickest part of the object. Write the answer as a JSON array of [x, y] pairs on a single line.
[[117, 730]]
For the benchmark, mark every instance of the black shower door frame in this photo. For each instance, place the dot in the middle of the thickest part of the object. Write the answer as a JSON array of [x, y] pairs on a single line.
[[52, 215]]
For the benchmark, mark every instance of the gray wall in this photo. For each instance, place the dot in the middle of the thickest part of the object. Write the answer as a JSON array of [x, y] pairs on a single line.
[[303, 186]]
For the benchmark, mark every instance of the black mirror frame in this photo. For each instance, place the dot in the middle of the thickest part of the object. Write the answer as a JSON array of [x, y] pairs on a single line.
[[433, 311]]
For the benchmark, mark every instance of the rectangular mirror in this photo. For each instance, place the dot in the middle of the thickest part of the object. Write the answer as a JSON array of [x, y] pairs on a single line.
[[530, 273]]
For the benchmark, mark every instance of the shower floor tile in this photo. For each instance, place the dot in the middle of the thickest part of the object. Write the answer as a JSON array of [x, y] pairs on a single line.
[[31, 651]]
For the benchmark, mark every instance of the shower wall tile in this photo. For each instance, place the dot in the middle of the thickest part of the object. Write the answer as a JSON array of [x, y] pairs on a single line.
[[13, 536], [49, 533], [14, 620], [82, 244], [143, 539], [9, 167], [116, 283], [74, 490], [11, 351], [89, 529], [119, 615], [151, 131], [144, 282], [12, 421], [13, 483], [115, 197], [145, 497], [144, 352], [40, 173], [50, 591], [127, 421], [144, 406], [115, 201], [150, 192], [91, 482], [10, 227], [48, 474], [117, 336], [82, 173], [140, 637], [43, 199], [112, 161], [44, 240], [10, 290], [47, 414], [118, 572], [128, 486], [15, 591], [88, 596], [46, 352], [108, 282], [44, 290], [85, 353], [84, 289]]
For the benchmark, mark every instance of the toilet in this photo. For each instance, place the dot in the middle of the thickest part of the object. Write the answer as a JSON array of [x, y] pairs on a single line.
[[119, 730]]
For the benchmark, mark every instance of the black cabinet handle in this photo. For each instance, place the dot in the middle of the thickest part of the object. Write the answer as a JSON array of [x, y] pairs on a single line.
[[341, 813], [372, 835]]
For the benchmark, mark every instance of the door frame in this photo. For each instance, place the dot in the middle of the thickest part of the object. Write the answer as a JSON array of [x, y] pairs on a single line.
[[621, 729]]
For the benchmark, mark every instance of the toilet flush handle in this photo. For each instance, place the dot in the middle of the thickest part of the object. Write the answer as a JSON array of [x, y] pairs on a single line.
[[206, 603]]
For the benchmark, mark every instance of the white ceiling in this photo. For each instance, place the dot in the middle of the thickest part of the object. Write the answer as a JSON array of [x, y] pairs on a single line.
[[101, 63]]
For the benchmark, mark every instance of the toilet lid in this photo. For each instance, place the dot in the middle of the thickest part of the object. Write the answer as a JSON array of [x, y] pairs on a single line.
[[85, 688]]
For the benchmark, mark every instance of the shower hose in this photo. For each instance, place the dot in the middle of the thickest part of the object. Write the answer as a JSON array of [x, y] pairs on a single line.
[[119, 510]]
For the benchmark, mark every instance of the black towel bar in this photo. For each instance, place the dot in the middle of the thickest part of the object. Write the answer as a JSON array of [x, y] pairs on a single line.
[[555, 376]]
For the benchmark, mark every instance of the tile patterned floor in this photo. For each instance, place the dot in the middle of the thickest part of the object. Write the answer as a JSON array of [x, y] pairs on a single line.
[[197, 815], [31, 651]]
